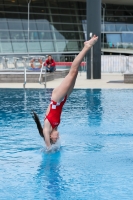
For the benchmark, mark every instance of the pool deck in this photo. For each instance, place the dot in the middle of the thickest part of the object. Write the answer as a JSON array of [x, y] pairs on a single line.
[[108, 81]]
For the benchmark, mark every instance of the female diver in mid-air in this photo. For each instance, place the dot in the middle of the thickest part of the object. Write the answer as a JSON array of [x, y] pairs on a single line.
[[59, 95]]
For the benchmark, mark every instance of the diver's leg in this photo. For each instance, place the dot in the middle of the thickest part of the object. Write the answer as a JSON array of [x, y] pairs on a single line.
[[68, 83]]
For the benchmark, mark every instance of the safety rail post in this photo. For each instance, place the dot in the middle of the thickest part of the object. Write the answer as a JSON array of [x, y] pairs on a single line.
[[127, 64], [5, 65], [15, 61]]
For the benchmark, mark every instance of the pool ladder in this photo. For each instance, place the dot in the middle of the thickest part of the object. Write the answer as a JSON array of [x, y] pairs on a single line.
[[40, 76]]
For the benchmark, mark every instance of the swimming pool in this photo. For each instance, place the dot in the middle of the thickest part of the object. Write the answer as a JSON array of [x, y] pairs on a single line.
[[96, 157]]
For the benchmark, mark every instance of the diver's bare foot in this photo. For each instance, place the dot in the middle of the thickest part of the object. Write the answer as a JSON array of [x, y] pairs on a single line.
[[88, 44]]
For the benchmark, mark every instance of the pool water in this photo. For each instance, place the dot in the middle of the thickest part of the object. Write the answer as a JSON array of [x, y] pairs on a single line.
[[95, 161]]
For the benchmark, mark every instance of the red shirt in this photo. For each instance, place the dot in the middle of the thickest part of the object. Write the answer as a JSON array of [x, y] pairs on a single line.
[[55, 112], [50, 62]]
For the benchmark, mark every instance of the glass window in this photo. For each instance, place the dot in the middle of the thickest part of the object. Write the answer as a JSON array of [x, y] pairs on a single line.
[[19, 47], [34, 47], [6, 47], [45, 35], [32, 25], [61, 11], [79, 26], [53, 3], [67, 11], [113, 39], [12, 15], [84, 25], [2, 16], [130, 20], [64, 4], [47, 46], [71, 35], [72, 46], [69, 27], [3, 25], [72, 4], [13, 2], [14, 25], [37, 3], [67, 35], [43, 26], [110, 27], [39, 10], [102, 27], [61, 46], [59, 36], [11, 8], [33, 35], [80, 18], [57, 26], [55, 18], [25, 24], [23, 8], [130, 27], [127, 37], [41, 17], [23, 16], [121, 27], [81, 44], [22, 2], [85, 35], [82, 36], [1, 7], [67, 19], [82, 5], [81, 12], [17, 35], [55, 10], [4, 35]]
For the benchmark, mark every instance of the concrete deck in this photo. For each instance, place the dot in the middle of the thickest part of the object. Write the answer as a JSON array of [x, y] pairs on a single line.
[[108, 81]]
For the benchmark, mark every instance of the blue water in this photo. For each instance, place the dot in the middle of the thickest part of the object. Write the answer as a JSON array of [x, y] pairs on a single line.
[[95, 161]]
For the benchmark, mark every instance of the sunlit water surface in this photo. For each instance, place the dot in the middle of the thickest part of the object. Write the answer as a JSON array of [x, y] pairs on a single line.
[[95, 161]]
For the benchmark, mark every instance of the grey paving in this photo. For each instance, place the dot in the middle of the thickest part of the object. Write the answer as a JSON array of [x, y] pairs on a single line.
[[114, 81]]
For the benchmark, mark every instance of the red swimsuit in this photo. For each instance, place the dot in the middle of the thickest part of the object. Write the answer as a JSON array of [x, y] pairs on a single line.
[[55, 112]]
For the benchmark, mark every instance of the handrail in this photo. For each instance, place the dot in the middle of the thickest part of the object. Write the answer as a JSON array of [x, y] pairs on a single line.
[[24, 77], [41, 75], [25, 73]]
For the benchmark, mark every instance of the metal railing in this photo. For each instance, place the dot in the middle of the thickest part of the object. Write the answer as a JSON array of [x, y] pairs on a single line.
[[40, 76], [116, 64], [25, 73], [109, 64], [117, 45]]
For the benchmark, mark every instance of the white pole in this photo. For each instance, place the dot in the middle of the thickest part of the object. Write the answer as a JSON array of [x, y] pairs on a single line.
[[91, 35], [28, 24], [103, 27]]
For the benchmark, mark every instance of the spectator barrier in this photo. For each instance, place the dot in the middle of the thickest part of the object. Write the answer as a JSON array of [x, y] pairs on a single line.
[[109, 63]]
